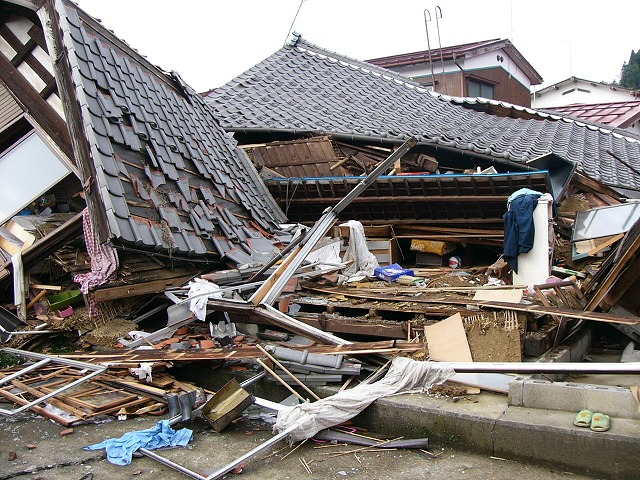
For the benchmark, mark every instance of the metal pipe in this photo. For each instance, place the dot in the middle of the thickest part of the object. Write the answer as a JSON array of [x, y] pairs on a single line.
[[57, 359], [250, 454], [539, 367], [250, 381], [25, 370], [170, 464], [426, 27], [52, 394], [438, 10]]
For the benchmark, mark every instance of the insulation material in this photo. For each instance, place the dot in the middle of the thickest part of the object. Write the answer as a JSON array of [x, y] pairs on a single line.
[[405, 375], [328, 255]]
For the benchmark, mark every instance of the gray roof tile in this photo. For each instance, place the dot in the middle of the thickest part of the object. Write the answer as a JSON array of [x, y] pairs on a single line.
[[154, 142], [305, 88]]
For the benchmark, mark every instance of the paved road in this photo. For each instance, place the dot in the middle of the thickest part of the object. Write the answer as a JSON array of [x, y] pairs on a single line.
[[57, 457]]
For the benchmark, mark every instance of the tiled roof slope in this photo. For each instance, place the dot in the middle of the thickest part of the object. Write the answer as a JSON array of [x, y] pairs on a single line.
[[169, 177], [303, 88], [616, 114]]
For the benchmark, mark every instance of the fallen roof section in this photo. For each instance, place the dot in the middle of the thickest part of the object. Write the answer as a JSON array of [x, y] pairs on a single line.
[[303, 89], [159, 172]]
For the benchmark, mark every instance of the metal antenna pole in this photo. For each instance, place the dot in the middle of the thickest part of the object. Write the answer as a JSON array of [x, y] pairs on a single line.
[[439, 14], [426, 27]]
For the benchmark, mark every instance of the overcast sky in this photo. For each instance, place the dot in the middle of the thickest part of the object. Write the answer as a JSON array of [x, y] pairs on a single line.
[[208, 42]]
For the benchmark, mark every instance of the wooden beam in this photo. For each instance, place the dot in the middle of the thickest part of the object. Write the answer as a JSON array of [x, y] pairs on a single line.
[[80, 146], [565, 312], [502, 199], [46, 116], [144, 288]]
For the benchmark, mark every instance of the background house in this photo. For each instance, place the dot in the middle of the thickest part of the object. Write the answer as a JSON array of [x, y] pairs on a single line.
[[575, 90], [592, 102], [493, 69]]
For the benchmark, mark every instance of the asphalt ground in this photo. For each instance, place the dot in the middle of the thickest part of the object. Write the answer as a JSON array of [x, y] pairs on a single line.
[[34, 448]]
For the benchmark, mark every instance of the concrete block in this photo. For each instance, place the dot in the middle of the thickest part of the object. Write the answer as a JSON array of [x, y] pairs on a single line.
[[516, 391], [580, 346], [614, 401], [553, 396], [550, 438], [573, 397], [560, 354]]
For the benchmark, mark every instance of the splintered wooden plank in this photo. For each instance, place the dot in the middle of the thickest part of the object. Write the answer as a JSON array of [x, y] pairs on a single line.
[[139, 401], [110, 397], [121, 358], [154, 286], [566, 312]]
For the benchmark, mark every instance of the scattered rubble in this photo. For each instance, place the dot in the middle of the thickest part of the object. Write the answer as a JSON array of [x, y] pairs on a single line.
[[158, 246]]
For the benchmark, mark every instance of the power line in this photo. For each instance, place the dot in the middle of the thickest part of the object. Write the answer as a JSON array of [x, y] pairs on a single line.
[[294, 21]]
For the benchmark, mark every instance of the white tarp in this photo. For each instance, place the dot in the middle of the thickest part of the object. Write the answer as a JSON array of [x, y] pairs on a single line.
[[363, 261], [405, 375], [198, 290]]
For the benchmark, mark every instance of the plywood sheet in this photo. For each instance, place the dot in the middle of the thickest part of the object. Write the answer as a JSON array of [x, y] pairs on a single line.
[[447, 340], [508, 296]]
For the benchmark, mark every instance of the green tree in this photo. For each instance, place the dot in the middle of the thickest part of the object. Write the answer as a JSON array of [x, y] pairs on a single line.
[[630, 73]]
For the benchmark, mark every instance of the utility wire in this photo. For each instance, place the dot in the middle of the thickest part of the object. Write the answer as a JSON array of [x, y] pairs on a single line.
[[294, 21]]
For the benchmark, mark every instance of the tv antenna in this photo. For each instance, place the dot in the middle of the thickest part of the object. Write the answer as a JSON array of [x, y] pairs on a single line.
[[427, 19]]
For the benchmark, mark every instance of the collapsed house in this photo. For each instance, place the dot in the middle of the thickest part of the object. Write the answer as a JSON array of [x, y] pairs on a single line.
[[164, 186], [150, 190], [325, 118]]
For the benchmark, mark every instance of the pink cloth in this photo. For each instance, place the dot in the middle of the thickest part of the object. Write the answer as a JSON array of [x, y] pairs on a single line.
[[104, 264]]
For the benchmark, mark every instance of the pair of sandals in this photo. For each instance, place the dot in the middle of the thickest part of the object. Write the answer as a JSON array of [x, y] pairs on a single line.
[[598, 422]]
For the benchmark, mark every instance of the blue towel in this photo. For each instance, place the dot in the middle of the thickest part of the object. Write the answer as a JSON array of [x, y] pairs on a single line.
[[120, 450]]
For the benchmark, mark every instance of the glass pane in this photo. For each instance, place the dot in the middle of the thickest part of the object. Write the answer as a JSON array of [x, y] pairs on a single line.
[[474, 89], [27, 171], [605, 221], [486, 91]]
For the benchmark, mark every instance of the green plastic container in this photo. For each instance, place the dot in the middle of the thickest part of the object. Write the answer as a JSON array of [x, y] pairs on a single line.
[[64, 299]]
